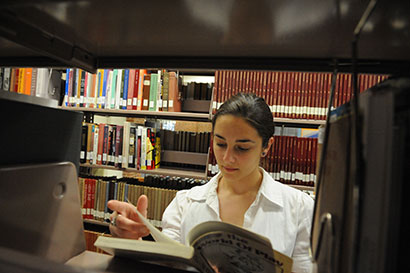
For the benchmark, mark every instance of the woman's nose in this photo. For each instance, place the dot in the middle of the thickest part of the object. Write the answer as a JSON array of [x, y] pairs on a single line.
[[229, 156]]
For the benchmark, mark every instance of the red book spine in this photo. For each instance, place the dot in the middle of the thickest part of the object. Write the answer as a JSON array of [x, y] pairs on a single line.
[[269, 89], [105, 146], [247, 77], [84, 198], [230, 85], [136, 90], [130, 91], [274, 90], [322, 96], [258, 83], [223, 88], [264, 93], [310, 161], [314, 162], [286, 97], [297, 162], [292, 95], [215, 90], [280, 94], [93, 198], [241, 81], [234, 83], [70, 87], [341, 89], [294, 156], [328, 90], [118, 137], [88, 201], [299, 96], [315, 90], [302, 160]]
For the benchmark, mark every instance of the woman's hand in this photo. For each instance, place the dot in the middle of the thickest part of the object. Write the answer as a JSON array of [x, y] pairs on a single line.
[[126, 220]]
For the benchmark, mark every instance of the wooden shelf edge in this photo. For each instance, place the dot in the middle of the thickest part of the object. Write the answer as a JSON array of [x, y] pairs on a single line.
[[160, 171], [204, 116], [106, 224], [188, 115], [96, 222], [300, 121]]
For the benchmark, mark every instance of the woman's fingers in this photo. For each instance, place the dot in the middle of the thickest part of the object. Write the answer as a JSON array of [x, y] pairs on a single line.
[[125, 221], [127, 228], [142, 205]]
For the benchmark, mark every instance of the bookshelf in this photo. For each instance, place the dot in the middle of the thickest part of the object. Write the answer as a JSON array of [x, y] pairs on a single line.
[[71, 34]]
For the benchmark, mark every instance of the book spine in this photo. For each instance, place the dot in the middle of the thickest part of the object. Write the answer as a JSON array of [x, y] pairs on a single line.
[[136, 90], [130, 92], [118, 98], [153, 92], [125, 89]]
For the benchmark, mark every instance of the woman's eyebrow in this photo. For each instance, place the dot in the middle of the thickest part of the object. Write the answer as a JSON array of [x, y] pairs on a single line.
[[238, 140]]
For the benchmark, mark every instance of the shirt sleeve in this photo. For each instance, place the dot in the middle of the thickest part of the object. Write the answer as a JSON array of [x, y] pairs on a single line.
[[301, 258], [172, 216]]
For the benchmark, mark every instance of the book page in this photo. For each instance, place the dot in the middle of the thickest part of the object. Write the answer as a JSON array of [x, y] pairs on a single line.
[[229, 252], [211, 226]]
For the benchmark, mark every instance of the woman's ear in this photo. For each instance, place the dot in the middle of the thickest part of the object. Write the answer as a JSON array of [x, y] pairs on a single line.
[[268, 146]]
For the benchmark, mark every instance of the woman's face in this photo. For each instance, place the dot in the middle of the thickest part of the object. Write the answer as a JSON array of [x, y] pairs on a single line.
[[237, 147]]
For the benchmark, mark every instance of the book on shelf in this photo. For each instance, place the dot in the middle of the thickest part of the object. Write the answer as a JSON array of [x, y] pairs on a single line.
[[212, 244], [174, 102], [146, 91], [130, 92], [152, 104]]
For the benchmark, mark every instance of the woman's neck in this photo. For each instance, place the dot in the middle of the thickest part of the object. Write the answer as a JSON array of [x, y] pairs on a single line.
[[247, 185]]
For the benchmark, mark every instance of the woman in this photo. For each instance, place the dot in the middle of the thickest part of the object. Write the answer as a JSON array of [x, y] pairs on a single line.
[[242, 193]]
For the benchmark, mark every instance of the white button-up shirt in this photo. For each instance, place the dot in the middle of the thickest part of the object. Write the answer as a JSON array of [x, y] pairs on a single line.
[[279, 212]]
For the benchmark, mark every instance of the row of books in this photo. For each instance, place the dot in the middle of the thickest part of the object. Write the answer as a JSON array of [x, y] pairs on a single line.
[[26, 80], [90, 237], [291, 160], [122, 146], [195, 142], [132, 145], [297, 95], [95, 192], [129, 89], [197, 91]]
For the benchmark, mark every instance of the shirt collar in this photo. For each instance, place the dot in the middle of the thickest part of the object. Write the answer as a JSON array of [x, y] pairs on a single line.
[[270, 189]]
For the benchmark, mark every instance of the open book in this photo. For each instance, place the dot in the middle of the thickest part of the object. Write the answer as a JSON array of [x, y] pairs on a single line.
[[210, 244]]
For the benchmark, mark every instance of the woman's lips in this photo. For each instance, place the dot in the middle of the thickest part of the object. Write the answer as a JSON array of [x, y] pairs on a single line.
[[228, 169]]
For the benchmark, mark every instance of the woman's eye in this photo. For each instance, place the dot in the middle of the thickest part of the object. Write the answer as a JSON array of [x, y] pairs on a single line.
[[220, 144], [242, 149]]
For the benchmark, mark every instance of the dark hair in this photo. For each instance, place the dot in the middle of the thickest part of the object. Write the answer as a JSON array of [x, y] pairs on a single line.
[[251, 108]]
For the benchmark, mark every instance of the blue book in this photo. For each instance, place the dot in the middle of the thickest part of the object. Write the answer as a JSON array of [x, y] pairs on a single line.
[[98, 95], [124, 95], [104, 90]]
